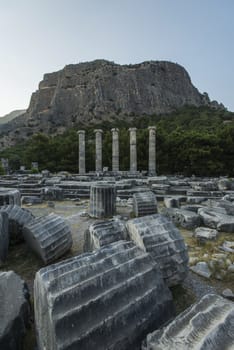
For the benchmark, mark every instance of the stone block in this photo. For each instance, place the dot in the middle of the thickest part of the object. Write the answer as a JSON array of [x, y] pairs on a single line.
[[4, 237], [102, 233], [48, 236], [159, 237], [208, 324], [102, 200], [144, 203], [18, 217], [107, 299], [9, 196], [14, 311]]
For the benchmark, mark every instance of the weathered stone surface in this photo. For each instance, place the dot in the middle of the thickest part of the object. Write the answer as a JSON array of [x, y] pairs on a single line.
[[9, 196], [100, 90], [107, 299], [4, 237], [31, 200], [102, 233], [213, 219], [206, 325], [18, 217], [14, 311], [144, 203], [48, 236], [205, 233], [202, 269], [52, 193], [158, 236], [102, 200], [184, 218], [171, 202]]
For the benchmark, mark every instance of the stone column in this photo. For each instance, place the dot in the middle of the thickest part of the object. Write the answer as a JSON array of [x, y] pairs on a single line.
[[98, 136], [115, 149], [102, 200], [152, 150], [82, 169], [133, 150]]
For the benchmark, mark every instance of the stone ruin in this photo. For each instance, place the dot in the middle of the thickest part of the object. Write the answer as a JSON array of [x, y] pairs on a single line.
[[102, 200], [110, 299], [48, 236], [102, 233], [14, 311], [4, 237], [159, 237], [206, 325], [155, 235], [144, 203]]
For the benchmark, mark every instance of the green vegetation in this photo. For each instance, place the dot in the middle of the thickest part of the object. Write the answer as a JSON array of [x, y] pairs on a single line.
[[190, 141]]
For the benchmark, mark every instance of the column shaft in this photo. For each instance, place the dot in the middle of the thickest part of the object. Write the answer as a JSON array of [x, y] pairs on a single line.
[[82, 169], [152, 150], [133, 150], [115, 149], [98, 139]]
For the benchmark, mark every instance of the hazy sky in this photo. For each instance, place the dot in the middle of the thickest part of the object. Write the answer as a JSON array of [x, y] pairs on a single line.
[[42, 36]]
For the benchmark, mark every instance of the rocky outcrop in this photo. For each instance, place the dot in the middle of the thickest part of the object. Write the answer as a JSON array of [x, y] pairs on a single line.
[[14, 311], [108, 299], [99, 90], [206, 325]]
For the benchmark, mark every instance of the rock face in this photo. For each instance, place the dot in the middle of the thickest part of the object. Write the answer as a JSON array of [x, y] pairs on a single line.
[[101, 89], [107, 299], [159, 237], [48, 236], [206, 325], [14, 311]]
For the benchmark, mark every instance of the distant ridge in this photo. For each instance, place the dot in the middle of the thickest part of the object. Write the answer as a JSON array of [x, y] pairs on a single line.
[[12, 115]]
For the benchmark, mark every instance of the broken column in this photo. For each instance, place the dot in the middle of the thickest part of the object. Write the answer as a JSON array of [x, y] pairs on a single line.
[[98, 140], [4, 237], [208, 324], [9, 196], [48, 236], [108, 299], [115, 149], [144, 203], [18, 217], [133, 150], [102, 233], [159, 237], [152, 150], [14, 311], [82, 169], [102, 200]]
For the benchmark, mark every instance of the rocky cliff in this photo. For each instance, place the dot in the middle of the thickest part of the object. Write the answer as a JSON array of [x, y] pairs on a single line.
[[99, 90]]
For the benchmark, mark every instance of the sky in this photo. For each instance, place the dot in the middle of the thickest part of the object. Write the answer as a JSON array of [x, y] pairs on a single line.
[[42, 36]]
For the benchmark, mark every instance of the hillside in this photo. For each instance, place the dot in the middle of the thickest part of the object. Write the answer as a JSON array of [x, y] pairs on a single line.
[[102, 90], [191, 140]]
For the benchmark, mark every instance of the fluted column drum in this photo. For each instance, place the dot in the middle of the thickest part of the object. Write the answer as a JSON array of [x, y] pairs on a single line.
[[102, 200], [82, 169]]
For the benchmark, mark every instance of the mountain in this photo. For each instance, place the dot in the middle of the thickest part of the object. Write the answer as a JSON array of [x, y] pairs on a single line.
[[12, 115], [101, 90]]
